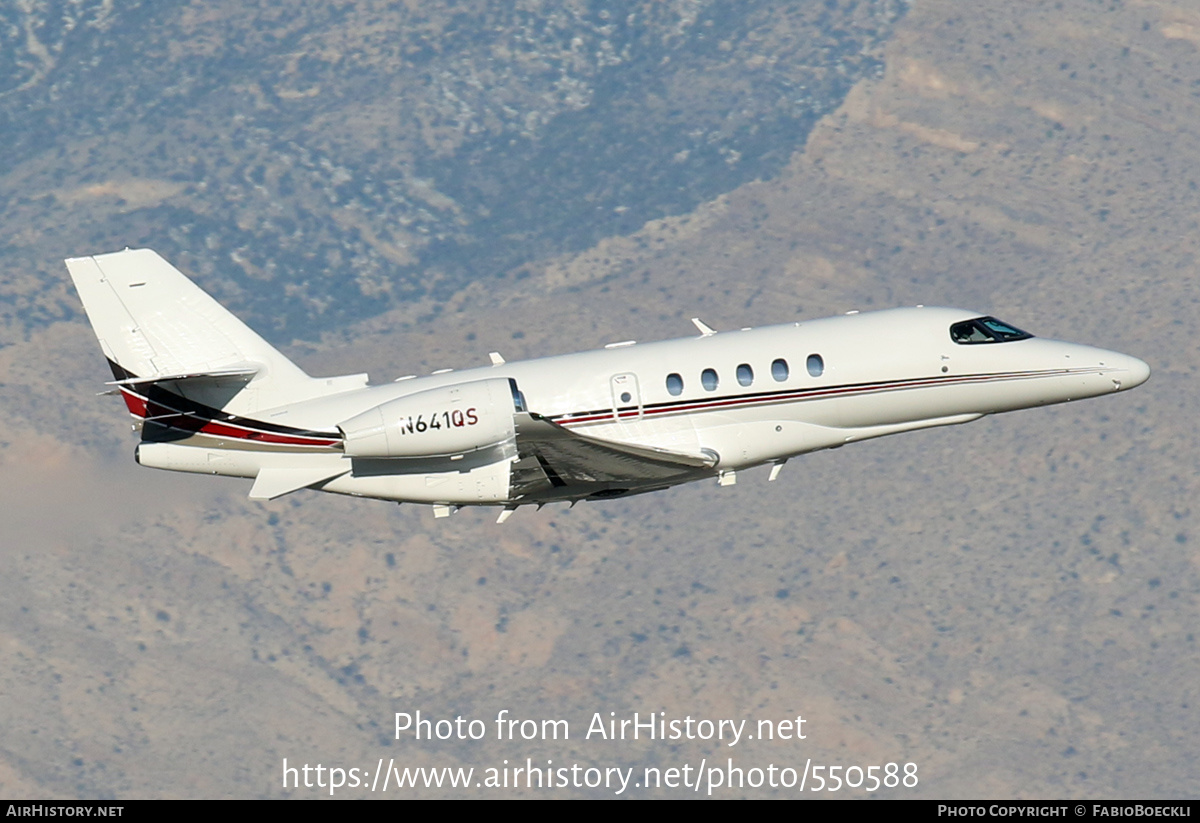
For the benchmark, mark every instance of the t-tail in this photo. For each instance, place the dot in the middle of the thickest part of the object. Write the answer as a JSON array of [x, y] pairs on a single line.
[[184, 364]]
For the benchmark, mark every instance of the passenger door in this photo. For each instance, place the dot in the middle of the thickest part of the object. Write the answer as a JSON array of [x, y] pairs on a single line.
[[626, 398]]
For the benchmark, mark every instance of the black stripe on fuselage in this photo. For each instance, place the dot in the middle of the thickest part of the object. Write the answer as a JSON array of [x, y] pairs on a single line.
[[802, 394], [197, 414]]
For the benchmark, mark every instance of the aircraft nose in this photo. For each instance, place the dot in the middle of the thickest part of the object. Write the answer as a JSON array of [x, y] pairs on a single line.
[[1129, 371]]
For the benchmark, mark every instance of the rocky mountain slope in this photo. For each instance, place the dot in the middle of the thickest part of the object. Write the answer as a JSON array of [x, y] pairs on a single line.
[[1010, 604]]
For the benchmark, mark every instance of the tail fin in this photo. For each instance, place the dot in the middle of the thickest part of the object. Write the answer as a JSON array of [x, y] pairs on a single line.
[[156, 326]]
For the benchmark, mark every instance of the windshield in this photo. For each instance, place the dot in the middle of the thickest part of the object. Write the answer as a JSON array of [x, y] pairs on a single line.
[[986, 330]]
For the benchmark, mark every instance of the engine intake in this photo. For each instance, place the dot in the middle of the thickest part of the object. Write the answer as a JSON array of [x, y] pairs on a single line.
[[440, 422]]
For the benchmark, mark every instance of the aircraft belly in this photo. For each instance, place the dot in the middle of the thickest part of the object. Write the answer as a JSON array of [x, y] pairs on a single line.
[[753, 443], [976, 394], [481, 485], [229, 462], [905, 405], [1059, 389], [478, 484]]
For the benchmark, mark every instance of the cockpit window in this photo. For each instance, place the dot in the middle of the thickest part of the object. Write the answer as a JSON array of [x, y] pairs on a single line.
[[986, 330]]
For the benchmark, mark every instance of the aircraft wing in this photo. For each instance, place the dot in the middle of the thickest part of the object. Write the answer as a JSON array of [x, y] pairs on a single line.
[[558, 463]]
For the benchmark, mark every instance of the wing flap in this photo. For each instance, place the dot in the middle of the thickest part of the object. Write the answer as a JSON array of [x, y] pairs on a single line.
[[572, 459]]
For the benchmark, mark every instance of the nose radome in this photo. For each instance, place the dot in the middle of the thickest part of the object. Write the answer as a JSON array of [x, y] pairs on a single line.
[[1129, 371], [1139, 372]]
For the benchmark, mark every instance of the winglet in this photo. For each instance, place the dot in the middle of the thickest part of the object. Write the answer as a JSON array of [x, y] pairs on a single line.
[[704, 328]]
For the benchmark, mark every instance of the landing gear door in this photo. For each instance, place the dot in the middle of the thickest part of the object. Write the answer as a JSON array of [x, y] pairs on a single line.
[[626, 398]]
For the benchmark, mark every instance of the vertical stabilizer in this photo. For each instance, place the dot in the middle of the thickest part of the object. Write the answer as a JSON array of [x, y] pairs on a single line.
[[153, 323]]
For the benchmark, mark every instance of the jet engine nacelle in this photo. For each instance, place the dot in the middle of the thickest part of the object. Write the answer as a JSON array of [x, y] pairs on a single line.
[[442, 422]]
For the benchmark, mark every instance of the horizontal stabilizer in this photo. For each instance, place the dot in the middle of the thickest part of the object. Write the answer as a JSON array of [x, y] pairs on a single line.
[[247, 372], [272, 483]]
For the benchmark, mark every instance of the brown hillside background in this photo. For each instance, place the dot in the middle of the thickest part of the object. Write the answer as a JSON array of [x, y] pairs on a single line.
[[1011, 605]]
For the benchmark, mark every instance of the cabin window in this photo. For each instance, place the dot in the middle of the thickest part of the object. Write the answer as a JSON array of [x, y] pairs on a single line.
[[674, 385], [779, 370], [745, 374], [986, 330], [709, 380], [816, 365]]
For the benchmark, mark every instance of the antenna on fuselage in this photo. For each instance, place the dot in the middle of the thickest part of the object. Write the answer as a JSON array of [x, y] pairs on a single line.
[[704, 328]]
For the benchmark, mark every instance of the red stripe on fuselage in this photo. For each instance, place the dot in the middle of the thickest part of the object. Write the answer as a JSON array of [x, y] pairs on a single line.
[[135, 404], [800, 395], [156, 412]]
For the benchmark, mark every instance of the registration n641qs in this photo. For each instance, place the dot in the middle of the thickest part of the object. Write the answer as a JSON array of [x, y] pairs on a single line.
[[211, 396]]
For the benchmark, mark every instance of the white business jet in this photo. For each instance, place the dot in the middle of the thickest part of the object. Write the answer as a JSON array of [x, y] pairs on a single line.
[[210, 396]]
